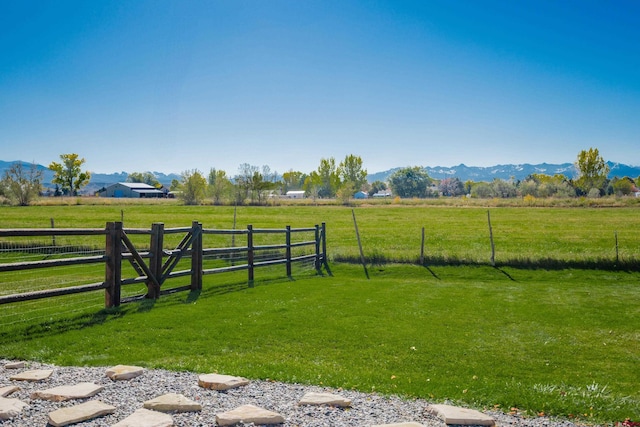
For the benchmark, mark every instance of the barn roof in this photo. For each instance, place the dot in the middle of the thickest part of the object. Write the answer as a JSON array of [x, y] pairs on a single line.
[[138, 185]]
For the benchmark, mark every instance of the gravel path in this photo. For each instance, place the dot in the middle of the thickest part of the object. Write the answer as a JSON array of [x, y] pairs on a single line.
[[127, 396]]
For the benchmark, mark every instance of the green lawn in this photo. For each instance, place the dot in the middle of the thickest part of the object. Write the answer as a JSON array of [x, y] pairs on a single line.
[[559, 340]]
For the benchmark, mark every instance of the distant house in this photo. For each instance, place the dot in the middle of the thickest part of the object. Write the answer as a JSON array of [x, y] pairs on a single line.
[[361, 195], [131, 190], [383, 193], [295, 194]]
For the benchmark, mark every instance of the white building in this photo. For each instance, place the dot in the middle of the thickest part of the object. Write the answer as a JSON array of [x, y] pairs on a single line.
[[295, 194]]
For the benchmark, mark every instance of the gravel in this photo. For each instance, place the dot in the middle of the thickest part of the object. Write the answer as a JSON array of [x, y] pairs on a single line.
[[127, 396]]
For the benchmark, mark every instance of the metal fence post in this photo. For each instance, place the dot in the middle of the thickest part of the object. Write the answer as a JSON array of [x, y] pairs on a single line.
[[288, 250], [317, 260], [250, 254]]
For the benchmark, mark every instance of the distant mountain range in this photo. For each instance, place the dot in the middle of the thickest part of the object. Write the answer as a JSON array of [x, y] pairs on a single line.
[[519, 172], [463, 172]]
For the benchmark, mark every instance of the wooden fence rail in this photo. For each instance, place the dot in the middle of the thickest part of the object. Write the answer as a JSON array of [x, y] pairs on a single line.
[[157, 264]]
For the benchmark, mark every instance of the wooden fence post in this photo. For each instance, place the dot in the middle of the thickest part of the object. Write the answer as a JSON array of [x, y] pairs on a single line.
[[196, 256], [250, 254], [53, 236], [288, 250], [113, 269], [362, 259], [493, 247], [155, 262], [422, 249]]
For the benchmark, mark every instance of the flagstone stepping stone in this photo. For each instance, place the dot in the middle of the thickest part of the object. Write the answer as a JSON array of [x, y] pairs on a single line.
[[15, 365], [172, 402], [460, 416], [409, 424], [82, 412], [9, 408], [313, 398], [35, 375], [124, 372], [7, 390], [248, 414], [67, 392], [221, 382], [146, 418]]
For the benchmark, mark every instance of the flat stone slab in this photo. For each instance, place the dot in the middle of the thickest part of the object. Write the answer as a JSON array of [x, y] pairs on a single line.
[[221, 382], [146, 418], [35, 375], [10, 408], [15, 365], [78, 413], [172, 402], [248, 414], [313, 398], [460, 416], [408, 424], [7, 390], [68, 392], [124, 372]]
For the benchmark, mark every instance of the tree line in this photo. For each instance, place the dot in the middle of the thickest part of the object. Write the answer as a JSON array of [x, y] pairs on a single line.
[[331, 180]]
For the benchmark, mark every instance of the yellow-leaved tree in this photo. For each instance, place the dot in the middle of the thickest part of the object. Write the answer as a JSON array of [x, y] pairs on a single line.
[[69, 175]]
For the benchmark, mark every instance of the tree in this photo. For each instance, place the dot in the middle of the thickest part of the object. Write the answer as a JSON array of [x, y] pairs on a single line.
[[377, 186], [345, 192], [313, 184], [504, 189], [144, 177], [253, 183], [547, 186], [193, 187], [622, 187], [451, 187], [482, 190], [292, 180], [69, 174], [350, 171], [591, 170], [528, 187], [244, 182], [410, 182], [328, 177], [219, 185], [22, 186], [265, 183]]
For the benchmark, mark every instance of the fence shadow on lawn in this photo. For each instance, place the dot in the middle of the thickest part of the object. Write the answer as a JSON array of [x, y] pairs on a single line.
[[604, 264]]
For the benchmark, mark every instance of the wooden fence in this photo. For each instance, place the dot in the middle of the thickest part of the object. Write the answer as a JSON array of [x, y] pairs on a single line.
[[157, 264]]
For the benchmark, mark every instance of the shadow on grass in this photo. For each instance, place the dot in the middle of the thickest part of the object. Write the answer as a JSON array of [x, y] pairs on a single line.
[[431, 271], [603, 264], [505, 273], [60, 325]]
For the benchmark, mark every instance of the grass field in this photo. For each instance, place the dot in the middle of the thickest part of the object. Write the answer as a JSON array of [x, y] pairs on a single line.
[[531, 237], [558, 340]]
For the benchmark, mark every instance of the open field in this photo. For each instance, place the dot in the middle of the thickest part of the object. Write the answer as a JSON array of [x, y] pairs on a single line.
[[531, 237], [559, 340]]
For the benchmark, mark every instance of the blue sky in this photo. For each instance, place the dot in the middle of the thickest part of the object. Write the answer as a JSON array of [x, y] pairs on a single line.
[[179, 85]]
